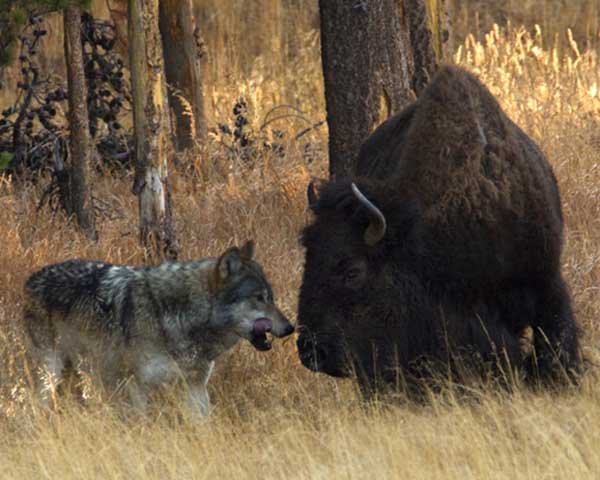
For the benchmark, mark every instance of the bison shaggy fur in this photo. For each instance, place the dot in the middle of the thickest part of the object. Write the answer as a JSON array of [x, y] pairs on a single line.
[[443, 244]]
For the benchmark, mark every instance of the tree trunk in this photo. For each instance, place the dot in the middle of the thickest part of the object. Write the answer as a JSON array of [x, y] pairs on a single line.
[[422, 44], [377, 56], [183, 58], [152, 129], [430, 38], [79, 195], [441, 26], [367, 70]]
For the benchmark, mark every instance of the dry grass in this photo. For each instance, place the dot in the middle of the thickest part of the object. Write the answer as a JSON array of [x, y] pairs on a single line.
[[272, 418], [553, 16]]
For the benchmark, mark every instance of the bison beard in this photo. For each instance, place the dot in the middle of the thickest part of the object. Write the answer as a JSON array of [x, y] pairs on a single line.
[[442, 251]]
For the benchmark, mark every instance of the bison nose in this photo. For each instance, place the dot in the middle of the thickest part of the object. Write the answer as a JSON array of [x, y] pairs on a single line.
[[312, 354]]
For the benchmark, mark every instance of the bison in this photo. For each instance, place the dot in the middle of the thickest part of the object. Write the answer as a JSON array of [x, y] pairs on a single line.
[[444, 243]]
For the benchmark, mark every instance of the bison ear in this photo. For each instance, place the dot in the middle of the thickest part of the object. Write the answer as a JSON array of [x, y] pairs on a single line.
[[311, 195], [247, 250], [229, 264], [311, 192]]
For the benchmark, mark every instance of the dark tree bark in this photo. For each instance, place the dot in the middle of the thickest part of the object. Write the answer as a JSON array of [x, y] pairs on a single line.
[[78, 199], [182, 47], [152, 129], [422, 44], [444, 39], [377, 56], [367, 70], [429, 38]]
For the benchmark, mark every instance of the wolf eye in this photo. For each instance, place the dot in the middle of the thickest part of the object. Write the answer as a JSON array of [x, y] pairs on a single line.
[[260, 297]]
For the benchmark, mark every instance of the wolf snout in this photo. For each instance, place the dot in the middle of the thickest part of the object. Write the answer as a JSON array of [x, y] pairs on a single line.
[[283, 328], [277, 326], [280, 330], [289, 329]]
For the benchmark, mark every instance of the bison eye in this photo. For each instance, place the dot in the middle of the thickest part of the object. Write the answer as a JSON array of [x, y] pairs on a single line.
[[354, 277], [352, 274]]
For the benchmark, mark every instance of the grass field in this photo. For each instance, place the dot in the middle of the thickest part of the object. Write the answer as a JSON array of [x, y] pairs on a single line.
[[272, 418]]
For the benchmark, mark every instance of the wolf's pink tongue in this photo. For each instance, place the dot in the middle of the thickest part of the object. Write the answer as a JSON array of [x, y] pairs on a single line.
[[262, 325]]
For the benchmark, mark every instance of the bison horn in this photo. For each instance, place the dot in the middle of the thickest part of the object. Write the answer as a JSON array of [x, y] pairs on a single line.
[[312, 195], [377, 224]]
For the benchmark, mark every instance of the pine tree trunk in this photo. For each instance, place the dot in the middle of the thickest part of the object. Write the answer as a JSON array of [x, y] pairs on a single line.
[[152, 129], [440, 12], [367, 69], [377, 56], [430, 39], [182, 53], [79, 195]]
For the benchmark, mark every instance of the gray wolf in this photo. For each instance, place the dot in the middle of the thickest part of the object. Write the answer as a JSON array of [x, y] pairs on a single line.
[[446, 238], [149, 325]]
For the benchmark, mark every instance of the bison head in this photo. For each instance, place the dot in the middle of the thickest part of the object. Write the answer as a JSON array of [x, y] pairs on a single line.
[[360, 233]]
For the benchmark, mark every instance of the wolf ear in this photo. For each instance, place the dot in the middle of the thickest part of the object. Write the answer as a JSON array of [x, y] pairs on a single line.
[[229, 263], [247, 250]]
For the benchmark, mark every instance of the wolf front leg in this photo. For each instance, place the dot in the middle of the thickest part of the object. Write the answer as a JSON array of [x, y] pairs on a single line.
[[198, 398], [138, 396]]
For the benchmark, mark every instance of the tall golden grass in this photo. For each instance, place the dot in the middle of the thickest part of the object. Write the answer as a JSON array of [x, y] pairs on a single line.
[[272, 418], [553, 16]]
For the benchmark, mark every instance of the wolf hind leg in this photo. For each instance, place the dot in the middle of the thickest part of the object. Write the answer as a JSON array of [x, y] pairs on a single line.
[[48, 360], [48, 376]]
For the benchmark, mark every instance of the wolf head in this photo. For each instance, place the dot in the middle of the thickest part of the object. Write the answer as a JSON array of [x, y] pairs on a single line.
[[244, 298]]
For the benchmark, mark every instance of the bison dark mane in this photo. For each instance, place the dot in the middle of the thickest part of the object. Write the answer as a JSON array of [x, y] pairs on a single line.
[[445, 239]]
